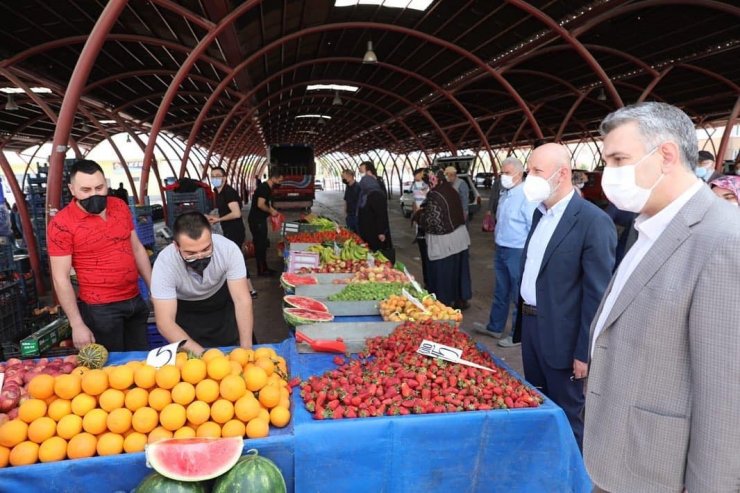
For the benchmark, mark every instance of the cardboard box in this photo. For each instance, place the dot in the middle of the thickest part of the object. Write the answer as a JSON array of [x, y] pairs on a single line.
[[46, 337]]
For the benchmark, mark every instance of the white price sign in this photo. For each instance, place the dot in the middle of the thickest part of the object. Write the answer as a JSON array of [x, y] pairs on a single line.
[[165, 355], [447, 353], [412, 280], [413, 300], [337, 250], [300, 259], [2, 380], [370, 260]]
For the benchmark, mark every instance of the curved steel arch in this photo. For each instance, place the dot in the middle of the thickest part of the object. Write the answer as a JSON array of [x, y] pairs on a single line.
[[150, 72], [153, 95]]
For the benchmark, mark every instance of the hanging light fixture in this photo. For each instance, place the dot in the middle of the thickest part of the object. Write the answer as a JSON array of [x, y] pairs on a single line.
[[602, 95], [128, 139], [11, 105], [337, 101], [370, 56]]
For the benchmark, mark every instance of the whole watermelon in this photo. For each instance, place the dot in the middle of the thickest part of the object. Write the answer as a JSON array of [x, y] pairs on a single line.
[[253, 474], [156, 483]]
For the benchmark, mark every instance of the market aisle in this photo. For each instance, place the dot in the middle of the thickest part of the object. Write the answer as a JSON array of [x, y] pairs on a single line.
[[269, 324]]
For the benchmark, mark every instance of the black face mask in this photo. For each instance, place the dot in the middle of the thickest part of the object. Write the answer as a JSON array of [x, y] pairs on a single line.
[[198, 265], [94, 204], [275, 185], [345, 181]]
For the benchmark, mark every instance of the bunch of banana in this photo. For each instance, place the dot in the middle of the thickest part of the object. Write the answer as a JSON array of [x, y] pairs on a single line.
[[352, 251], [326, 254]]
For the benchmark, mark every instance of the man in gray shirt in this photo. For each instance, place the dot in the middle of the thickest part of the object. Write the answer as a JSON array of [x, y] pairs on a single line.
[[462, 188], [199, 288]]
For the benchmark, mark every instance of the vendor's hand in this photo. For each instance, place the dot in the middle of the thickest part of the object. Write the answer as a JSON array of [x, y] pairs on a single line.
[[82, 336], [191, 345], [274, 213], [381, 237], [246, 344], [213, 219], [580, 369]]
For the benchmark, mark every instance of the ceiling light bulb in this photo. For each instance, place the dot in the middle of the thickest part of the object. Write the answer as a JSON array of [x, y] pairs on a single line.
[[11, 105], [602, 95], [337, 101], [370, 56]]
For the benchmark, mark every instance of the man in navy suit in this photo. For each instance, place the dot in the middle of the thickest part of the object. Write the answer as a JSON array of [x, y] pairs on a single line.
[[568, 261]]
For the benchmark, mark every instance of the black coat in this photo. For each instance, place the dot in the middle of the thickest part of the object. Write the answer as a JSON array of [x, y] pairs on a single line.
[[373, 220]]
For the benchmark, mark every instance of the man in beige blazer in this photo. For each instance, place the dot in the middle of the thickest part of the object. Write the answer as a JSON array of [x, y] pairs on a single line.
[[663, 398]]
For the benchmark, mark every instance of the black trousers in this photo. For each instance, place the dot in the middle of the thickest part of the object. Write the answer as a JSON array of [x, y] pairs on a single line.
[[259, 237], [119, 326]]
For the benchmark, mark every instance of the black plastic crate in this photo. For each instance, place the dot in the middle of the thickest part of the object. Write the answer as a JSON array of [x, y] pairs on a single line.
[[6, 255], [11, 313], [12, 350]]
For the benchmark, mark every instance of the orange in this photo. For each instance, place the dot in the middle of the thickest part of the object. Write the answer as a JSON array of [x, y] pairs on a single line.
[[134, 364], [198, 412], [222, 411], [41, 429], [145, 376], [122, 377], [53, 449], [193, 371], [208, 429], [94, 421], [69, 426], [264, 352], [284, 402], [180, 359], [233, 428], [255, 377], [58, 409], [167, 377], [49, 400], [257, 428], [67, 386], [184, 432], [80, 370], [158, 433], [4, 456], [112, 399], [173, 417], [207, 390], [282, 364], [232, 387], [83, 404], [247, 408], [279, 416], [263, 414], [210, 354], [31, 410], [136, 398], [41, 387], [266, 364], [183, 393], [236, 368], [158, 398], [240, 355], [82, 445], [110, 444], [134, 442], [218, 368], [119, 420], [24, 453], [13, 432], [269, 396], [94, 382], [145, 419]]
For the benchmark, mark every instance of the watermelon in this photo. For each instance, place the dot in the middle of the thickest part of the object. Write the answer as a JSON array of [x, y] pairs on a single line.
[[194, 459], [289, 281], [156, 483], [305, 302], [253, 474], [301, 316]]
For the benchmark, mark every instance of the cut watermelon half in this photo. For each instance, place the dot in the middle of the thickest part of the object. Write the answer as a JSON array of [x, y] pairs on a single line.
[[305, 302], [288, 279], [194, 459], [301, 316]]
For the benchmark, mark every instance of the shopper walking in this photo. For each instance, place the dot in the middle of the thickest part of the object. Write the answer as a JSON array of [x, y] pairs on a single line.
[[260, 211]]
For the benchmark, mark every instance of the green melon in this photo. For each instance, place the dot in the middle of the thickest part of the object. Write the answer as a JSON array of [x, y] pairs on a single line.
[[93, 356], [299, 316], [252, 474], [156, 483]]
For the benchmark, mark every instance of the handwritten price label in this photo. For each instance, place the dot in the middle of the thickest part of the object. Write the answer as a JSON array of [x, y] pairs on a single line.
[[413, 300], [412, 280], [447, 353], [164, 355], [337, 250], [370, 260]]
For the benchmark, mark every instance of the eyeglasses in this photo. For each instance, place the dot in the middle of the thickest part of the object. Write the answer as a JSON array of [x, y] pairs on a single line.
[[197, 256]]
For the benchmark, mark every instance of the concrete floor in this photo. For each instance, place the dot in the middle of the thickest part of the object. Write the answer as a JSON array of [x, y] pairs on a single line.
[[269, 325]]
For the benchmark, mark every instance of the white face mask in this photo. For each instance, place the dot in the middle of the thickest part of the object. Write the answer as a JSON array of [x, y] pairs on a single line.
[[621, 189], [580, 185], [538, 189], [507, 181], [216, 182]]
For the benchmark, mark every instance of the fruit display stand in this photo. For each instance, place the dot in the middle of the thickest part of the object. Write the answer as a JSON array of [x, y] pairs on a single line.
[[125, 471]]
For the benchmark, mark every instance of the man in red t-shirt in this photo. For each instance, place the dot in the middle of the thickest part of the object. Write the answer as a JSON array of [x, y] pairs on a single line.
[[95, 235]]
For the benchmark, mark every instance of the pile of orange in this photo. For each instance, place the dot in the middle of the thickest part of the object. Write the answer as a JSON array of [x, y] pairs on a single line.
[[122, 408], [398, 308]]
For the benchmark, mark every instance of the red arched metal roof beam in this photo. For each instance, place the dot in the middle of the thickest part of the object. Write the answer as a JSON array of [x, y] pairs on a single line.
[[154, 95], [574, 43], [570, 114], [186, 13], [725, 142], [150, 72]]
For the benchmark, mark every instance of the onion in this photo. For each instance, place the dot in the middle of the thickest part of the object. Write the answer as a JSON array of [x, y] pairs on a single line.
[[68, 367]]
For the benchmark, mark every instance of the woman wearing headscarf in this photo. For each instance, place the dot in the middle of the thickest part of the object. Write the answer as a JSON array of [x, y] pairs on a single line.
[[447, 241], [372, 215], [728, 188]]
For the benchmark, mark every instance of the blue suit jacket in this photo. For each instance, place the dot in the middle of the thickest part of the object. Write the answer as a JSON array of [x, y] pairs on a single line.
[[574, 275]]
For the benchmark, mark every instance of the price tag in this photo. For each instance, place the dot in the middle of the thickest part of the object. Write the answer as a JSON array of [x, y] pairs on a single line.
[[2, 380], [412, 280], [413, 300], [370, 259], [337, 250], [300, 259], [165, 355], [447, 353]]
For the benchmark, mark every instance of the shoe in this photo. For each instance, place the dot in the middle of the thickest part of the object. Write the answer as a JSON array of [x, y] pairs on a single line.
[[508, 342], [480, 329], [253, 293]]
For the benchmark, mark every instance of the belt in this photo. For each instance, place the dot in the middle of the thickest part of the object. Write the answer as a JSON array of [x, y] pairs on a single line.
[[529, 309]]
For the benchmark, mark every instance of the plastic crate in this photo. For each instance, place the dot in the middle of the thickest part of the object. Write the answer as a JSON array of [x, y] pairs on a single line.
[[11, 350], [153, 337], [143, 290], [7, 263], [11, 313]]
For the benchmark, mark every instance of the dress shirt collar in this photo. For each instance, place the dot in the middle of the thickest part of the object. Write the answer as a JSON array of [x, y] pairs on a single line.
[[652, 227], [557, 209]]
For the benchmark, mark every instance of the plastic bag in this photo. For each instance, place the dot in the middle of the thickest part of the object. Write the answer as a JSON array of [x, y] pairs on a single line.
[[277, 221], [488, 223]]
